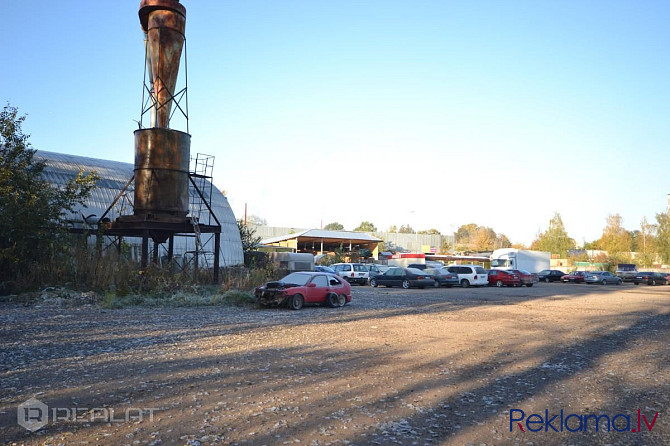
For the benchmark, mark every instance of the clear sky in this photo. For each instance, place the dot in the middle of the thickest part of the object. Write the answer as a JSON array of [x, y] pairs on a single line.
[[429, 113]]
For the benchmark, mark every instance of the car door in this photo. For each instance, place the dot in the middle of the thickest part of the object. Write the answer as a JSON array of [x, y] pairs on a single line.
[[395, 279], [385, 278], [317, 289]]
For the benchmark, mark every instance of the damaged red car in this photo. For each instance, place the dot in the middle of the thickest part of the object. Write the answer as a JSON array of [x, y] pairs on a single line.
[[301, 288]]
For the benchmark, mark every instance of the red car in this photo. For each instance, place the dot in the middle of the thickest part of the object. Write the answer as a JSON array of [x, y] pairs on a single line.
[[499, 278], [528, 279], [300, 288], [574, 277]]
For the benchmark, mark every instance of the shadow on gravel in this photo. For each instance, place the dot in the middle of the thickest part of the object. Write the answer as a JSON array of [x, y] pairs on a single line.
[[483, 405], [236, 388]]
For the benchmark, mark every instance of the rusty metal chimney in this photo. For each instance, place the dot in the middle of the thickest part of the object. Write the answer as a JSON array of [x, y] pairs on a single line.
[[162, 154]]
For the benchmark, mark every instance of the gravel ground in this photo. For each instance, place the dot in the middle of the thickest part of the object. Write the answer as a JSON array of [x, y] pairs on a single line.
[[415, 367]]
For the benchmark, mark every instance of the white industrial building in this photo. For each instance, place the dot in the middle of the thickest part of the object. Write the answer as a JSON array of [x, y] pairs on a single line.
[[114, 176]]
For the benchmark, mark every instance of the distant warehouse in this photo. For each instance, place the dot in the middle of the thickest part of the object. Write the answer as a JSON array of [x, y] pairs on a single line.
[[114, 176]]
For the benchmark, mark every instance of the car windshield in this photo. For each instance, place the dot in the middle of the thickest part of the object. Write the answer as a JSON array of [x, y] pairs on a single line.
[[360, 268], [522, 271], [480, 270], [431, 271], [297, 278], [415, 271], [499, 263]]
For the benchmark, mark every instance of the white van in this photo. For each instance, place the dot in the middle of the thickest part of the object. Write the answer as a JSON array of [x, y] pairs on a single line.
[[352, 272], [470, 275]]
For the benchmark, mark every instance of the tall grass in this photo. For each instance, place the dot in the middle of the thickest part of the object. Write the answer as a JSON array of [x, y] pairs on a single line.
[[122, 282]]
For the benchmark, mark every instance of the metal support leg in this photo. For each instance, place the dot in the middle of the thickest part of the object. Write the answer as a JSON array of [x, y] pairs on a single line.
[[170, 248], [155, 253], [217, 249], [145, 250]]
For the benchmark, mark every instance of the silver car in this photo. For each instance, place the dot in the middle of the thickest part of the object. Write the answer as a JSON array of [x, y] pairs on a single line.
[[602, 277]]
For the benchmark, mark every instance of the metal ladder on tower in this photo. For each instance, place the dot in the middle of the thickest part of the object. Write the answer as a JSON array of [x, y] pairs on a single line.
[[203, 166]]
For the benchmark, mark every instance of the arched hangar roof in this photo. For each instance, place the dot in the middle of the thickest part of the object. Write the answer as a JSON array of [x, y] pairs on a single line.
[[114, 176]]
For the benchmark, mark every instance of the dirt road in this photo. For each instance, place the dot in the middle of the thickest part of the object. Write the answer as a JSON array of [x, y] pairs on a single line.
[[415, 367]]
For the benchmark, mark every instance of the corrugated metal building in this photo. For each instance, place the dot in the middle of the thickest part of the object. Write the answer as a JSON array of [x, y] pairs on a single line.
[[114, 176]]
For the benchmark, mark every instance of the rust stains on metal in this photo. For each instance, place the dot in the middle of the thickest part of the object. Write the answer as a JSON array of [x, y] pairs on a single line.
[[161, 172], [164, 23]]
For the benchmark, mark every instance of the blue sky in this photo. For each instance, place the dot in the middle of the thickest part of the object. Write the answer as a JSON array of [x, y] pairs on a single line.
[[429, 113]]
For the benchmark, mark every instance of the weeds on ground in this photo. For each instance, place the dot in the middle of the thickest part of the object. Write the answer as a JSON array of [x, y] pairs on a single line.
[[121, 283]]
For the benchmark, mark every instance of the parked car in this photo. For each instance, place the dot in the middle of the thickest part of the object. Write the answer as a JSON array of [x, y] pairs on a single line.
[[602, 277], [470, 275], [502, 278], [627, 271], [352, 272], [324, 269], [429, 264], [375, 270], [403, 277], [574, 277], [300, 288], [550, 275], [650, 278], [442, 277], [527, 278]]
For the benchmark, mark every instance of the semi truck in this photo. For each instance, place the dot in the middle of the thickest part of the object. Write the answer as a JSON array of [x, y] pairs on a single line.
[[512, 258]]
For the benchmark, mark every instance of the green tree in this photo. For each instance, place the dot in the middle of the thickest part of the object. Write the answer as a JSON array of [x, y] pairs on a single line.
[[393, 229], [335, 226], [250, 242], [555, 239], [663, 236], [646, 243], [366, 226], [33, 213], [406, 229]]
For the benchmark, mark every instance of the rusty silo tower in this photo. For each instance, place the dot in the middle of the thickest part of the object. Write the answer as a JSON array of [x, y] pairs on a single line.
[[163, 181]]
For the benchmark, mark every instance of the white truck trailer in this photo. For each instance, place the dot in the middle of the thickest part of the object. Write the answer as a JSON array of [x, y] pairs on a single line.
[[512, 258]]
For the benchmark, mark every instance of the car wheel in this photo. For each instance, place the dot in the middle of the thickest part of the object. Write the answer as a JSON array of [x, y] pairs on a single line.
[[405, 284], [636, 283], [331, 300], [373, 283], [499, 284], [529, 284], [436, 284], [341, 300], [619, 282], [296, 302], [546, 279], [653, 282], [465, 283], [604, 282]]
